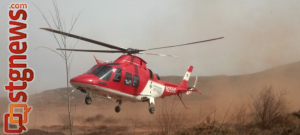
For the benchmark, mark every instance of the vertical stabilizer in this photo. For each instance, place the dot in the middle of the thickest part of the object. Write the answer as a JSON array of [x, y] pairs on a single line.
[[186, 77]]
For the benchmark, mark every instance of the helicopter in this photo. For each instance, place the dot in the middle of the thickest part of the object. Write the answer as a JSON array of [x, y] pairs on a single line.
[[127, 78]]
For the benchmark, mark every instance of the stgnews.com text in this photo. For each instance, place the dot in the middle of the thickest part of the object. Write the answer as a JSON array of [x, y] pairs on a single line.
[[20, 75]]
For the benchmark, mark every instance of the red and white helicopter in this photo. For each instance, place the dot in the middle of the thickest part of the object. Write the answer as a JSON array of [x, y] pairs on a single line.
[[127, 78]]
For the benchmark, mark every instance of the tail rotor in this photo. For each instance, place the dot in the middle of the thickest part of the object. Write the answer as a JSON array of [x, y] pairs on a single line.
[[192, 88]]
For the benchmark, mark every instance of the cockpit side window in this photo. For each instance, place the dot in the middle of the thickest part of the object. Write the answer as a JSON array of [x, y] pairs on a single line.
[[118, 75], [136, 80], [91, 69], [128, 79], [103, 72], [157, 76], [151, 74]]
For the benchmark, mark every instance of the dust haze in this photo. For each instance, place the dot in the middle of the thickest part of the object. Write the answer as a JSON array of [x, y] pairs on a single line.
[[258, 35], [260, 48], [50, 107]]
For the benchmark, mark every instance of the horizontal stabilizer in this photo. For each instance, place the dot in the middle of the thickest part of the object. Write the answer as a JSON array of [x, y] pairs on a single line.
[[184, 91]]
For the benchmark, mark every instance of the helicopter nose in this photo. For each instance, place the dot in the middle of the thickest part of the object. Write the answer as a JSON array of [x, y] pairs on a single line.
[[85, 79]]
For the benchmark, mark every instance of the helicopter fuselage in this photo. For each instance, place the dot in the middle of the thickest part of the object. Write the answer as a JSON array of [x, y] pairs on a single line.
[[126, 79]]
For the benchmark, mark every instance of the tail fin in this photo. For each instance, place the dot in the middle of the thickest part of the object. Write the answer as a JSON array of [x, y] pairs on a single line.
[[186, 77]]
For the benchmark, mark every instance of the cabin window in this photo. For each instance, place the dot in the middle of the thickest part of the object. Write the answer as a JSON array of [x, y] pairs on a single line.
[[103, 72], [118, 74], [128, 79], [151, 75], [91, 69], [136, 80]]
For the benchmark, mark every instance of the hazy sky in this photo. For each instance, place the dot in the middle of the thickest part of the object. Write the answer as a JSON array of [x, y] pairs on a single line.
[[259, 34]]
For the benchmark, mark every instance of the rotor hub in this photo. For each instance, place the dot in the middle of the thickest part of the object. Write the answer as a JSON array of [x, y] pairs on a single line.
[[132, 51]]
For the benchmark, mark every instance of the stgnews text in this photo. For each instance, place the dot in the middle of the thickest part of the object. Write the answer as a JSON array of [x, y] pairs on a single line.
[[19, 74]]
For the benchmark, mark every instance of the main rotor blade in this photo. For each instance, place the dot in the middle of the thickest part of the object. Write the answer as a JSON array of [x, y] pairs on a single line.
[[186, 43], [81, 50], [158, 54], [86, 39]]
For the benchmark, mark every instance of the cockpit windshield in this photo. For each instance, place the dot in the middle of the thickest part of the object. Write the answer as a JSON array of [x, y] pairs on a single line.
[[90, 69], [103, 72]]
